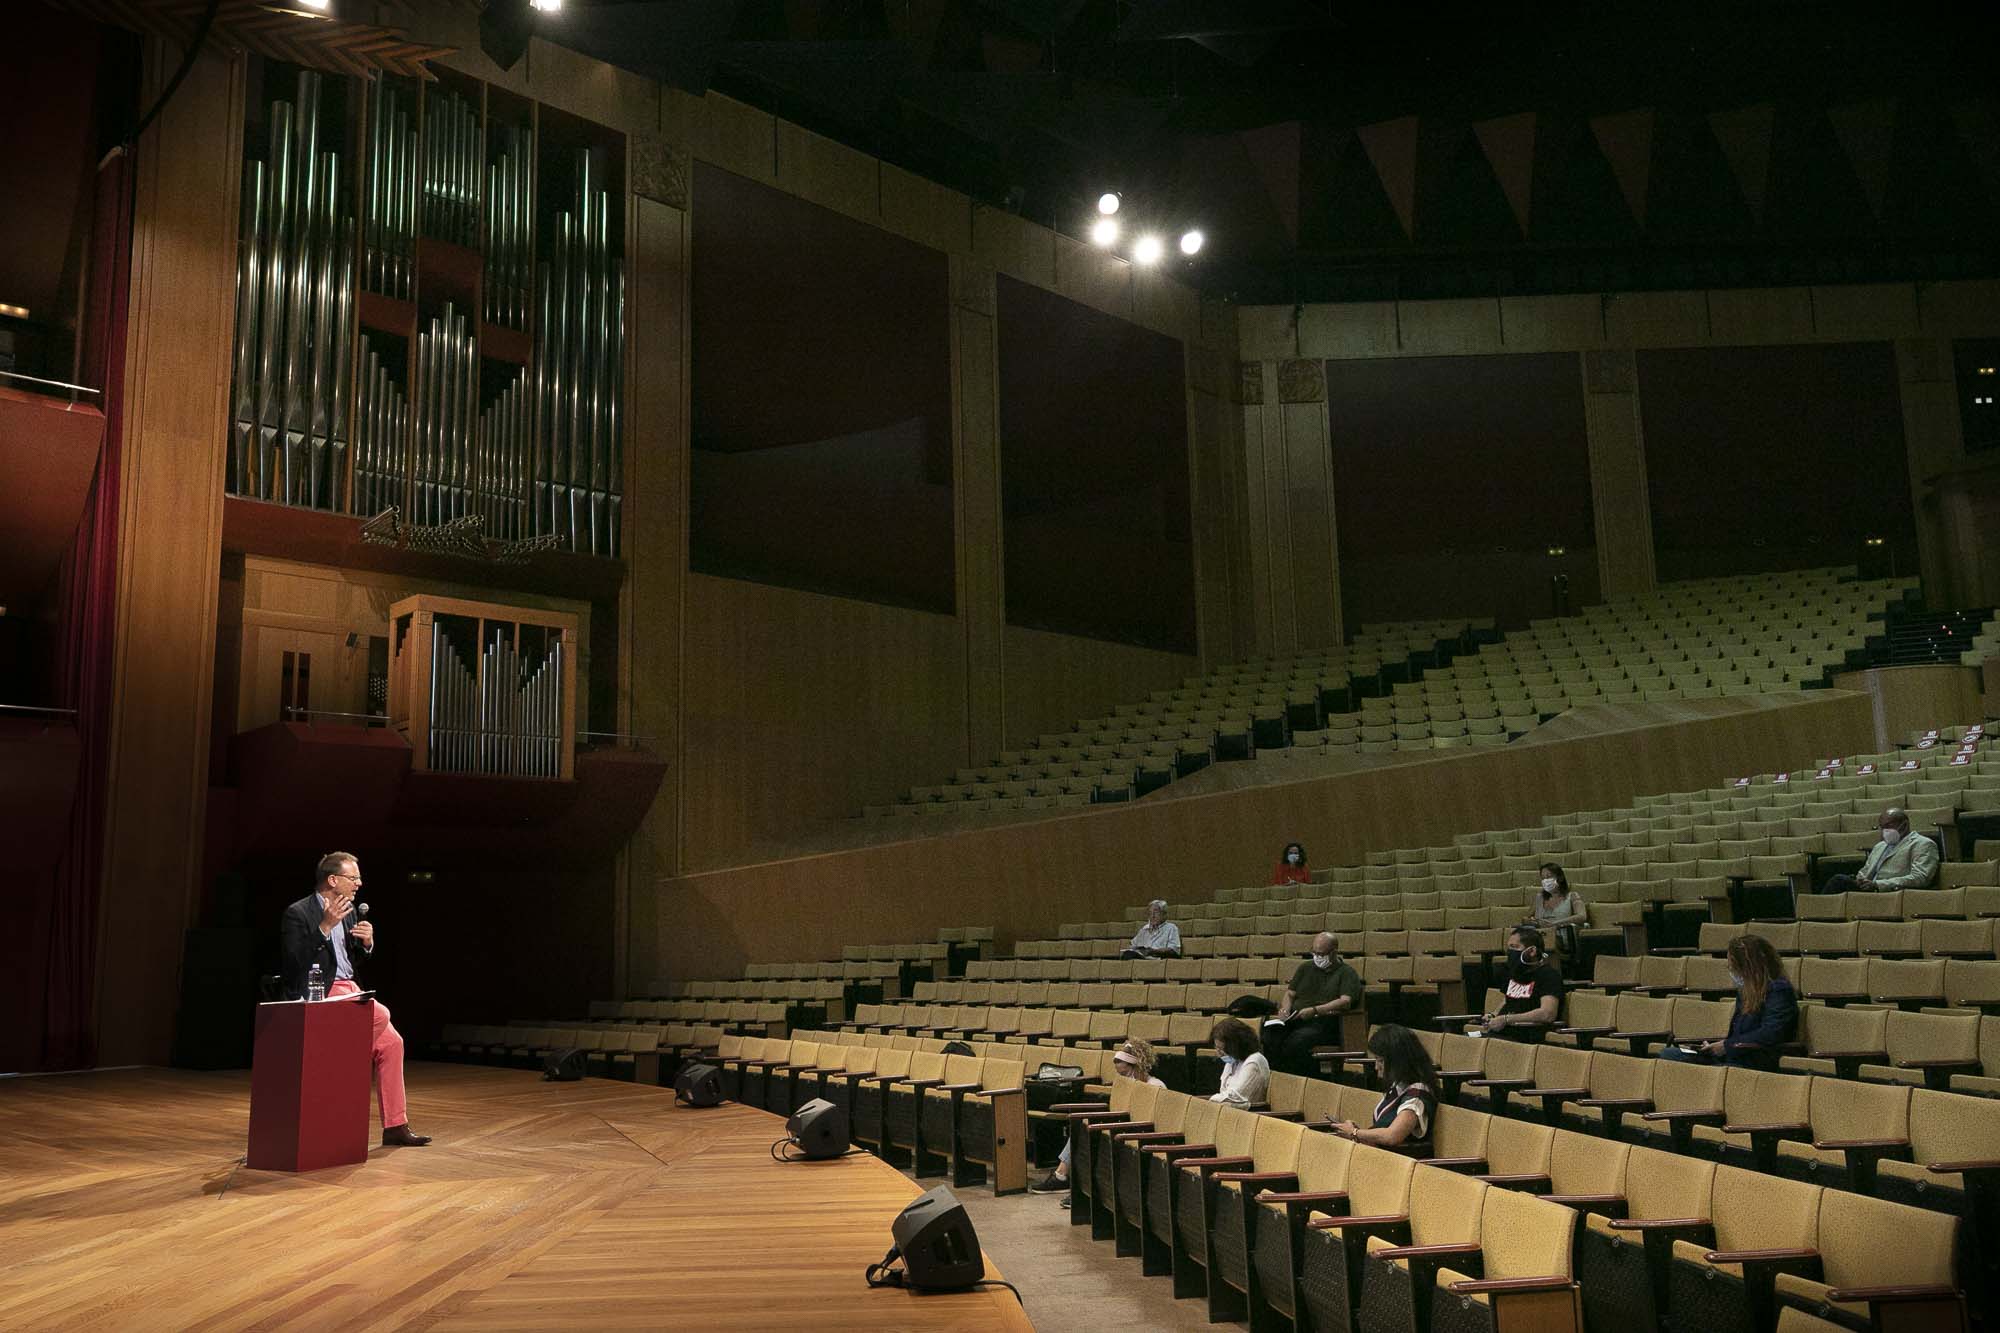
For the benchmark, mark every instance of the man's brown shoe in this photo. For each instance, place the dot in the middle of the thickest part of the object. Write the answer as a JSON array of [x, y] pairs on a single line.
[[400, 1136]]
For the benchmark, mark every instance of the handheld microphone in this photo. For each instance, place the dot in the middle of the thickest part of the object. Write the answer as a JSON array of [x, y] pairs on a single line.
[[361, 909]]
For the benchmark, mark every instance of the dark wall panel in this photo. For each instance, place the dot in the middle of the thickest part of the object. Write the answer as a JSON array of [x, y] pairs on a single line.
[[1452, 478], [821, 400], [1094, 474], [1768, 458]]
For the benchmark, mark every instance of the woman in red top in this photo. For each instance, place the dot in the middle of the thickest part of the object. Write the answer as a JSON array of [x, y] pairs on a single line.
[[1292, 866]]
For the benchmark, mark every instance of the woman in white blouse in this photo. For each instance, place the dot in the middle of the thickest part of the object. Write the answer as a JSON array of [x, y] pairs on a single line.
[[1246, 1074]]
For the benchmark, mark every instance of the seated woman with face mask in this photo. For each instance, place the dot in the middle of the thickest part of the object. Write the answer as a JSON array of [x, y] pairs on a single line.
[[1292, 866], [1766, 1017], [1402, 1119], [1246, 1074]]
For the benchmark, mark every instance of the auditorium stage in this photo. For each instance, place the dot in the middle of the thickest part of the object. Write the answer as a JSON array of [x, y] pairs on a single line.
[[597, 1204]]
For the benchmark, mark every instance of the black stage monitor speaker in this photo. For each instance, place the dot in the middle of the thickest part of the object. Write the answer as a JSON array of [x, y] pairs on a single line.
[[939, 1247], [819, 1128], [699, 1085], [565, 1066]]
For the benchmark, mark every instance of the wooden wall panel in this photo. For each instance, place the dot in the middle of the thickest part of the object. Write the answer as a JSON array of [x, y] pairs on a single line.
[[1620, 502], [1449, 328], [1053, 680], [1760, 315], [653, 610], [1093, 276], [1907, 700], [169, 549], [980, 530], [1014, 246], [1551, 323], [1341, 332], [1277, 530], [1026, 879], [830, 174], [1309, 498], [1656, 319], [925, 212], [799, 707], [1934, 440]]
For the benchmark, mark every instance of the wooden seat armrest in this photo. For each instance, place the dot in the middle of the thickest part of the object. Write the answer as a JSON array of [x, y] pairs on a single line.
[[1517, 1178], [1301, 1197], [1499, 1083], [1500, 1286], [1456, 1018], [1426, 1251], [1846, 1145], [1154, 1136], [1772, 1256], [916, 1084], [998, 1092], [1208, 1166], [1957, 1168], [1459, 1073], [1567, 1094], [1257, 1177], [1455, 1163], [1945, 1063], [1604, 1031], [821, 1069], [1095, 1115], [1116, 1127], [958, 1087], [1872, 1057], [1793, 1130], [1717, 1116], [1336, 1053], [1068, 1107], [1837, 996], [1375, 1221], [1616, 1101], [1173, 1152], [1583, 1200], [1656, 1223], [761, 1064], [1890, 1295], [1659, 1035]]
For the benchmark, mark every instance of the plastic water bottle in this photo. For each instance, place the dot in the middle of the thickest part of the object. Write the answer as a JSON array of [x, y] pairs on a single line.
[[315, 984]]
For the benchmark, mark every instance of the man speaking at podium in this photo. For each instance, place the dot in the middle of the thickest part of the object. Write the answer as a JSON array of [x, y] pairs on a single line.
[[323, 928]]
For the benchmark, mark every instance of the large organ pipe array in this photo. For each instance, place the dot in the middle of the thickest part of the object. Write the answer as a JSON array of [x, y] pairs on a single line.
[[381, 434], [389, 234], [294, 300], [481, 688], [452, 173], [529, 439], [510, 230], [579, 467], [446, 400]]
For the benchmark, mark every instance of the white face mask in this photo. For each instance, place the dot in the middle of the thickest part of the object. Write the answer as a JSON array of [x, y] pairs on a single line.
[[1892, 836], [1294, 857], [1322, 961], [1548, 886]]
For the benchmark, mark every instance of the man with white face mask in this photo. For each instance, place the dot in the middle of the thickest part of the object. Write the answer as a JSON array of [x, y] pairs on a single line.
[[1902, 860], [1321, 990]]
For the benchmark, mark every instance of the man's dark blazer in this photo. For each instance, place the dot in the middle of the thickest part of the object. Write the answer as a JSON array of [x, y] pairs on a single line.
[[302, 945]]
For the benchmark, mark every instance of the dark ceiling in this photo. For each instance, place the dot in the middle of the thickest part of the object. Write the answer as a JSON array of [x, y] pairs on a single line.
[[1339, 151]]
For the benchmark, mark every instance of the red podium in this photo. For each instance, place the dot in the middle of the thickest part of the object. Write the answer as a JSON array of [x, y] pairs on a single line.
[[309, 1084]]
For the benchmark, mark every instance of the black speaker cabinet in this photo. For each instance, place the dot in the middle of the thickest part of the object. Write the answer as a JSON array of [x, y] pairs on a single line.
[[939, 1247], [699, 1085], [819, 1128]]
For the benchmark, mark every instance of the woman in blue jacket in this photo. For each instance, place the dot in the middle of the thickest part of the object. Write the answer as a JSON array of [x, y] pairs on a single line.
[[1767, 1011]]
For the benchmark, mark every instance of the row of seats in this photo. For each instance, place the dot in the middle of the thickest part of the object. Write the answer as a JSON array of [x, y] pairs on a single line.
[[1265, 1217]]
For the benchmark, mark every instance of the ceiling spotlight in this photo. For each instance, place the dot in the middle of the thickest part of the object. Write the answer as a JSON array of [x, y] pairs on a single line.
[[1191, 242], [316, 4], [1148, 249], [1107, 203], [1104, 232], [546, 6]]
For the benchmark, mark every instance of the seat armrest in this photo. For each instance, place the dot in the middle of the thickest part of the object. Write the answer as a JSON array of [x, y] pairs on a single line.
[[1716, 1116], [1583, 1200], [916, 1084], [1301, 1196], [958, 1087], [1093, 1116], [1623, 1102], [1889, 1295], [1208, 1166], [1426, 1251], [1657, 1223], [1794, 1130], [1958, 1168], [998, 1092], [1563, 1094], [1068, 1107], [1156, 1136], [1468, 1165], [1947, 1063], [1773, 1256], [1518, 1178], [1498, 1286], [1175, 1151], [1499, 1082], [1377, 1221], [1257, 1177], [1604, 1031], [1850, 1145], [1116, 1127]]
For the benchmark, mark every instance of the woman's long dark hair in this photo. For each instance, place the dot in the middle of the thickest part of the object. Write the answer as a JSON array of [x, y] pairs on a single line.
[[1234, 1038], [1757, 963], [1404, 1059]]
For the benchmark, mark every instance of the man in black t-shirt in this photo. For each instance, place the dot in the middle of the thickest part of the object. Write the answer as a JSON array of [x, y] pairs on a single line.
[[1533, 987], [1322, 989]]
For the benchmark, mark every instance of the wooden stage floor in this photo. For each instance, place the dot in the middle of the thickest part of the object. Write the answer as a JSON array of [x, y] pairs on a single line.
[[541, 1205]]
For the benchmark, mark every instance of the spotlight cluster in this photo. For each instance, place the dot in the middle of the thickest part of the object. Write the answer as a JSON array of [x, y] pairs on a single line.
[[1148, 247]]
